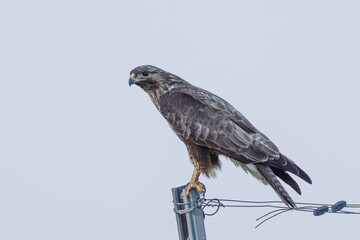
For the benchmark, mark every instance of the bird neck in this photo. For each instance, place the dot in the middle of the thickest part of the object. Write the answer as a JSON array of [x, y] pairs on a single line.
[[155, 96], [157, 91]]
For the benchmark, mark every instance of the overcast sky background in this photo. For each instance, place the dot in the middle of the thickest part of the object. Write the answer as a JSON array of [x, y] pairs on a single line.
[[83, 156]]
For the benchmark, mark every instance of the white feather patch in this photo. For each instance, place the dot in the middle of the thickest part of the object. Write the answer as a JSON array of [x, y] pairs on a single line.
[[250, 168]]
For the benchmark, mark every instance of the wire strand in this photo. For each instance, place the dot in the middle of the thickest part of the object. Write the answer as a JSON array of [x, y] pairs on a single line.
[[318, 209]]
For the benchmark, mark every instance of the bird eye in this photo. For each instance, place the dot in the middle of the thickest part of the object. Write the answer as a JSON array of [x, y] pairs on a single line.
[[145, 73]]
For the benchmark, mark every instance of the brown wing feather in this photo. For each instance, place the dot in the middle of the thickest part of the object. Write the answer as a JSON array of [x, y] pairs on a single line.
[[195, 122], [218, 104], [260, 143], [215, 123], [204, 119]]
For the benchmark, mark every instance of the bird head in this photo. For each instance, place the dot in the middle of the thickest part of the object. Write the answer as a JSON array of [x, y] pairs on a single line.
[[154, 81], [146, 77]]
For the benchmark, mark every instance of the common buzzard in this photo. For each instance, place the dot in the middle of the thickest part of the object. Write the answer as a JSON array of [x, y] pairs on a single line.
[[209, 126]]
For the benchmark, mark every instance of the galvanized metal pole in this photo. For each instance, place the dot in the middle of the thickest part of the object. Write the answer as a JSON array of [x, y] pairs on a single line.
[[180, 218], [189, 215]]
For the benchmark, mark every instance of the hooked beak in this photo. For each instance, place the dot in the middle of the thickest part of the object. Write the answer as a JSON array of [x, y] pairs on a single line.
[[132, 79]]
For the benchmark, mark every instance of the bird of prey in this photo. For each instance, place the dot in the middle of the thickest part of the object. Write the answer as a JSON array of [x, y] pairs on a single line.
[[209, 126]]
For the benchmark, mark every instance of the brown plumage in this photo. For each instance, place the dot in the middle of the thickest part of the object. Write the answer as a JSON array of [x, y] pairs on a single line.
[[209, 126]]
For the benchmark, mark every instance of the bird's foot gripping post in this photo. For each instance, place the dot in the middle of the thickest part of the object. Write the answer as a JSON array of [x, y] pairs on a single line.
[[189, 214], [195, 184]]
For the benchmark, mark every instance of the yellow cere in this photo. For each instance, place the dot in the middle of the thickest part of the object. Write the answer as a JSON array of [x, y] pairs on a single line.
[[132, 75]]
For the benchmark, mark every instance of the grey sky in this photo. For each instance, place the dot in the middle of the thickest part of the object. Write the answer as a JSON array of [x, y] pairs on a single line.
[[83, 156]]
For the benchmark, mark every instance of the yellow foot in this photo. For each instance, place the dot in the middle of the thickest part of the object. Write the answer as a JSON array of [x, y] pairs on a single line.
[[198, 186]]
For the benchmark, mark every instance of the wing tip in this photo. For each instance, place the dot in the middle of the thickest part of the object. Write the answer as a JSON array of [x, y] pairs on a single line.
[[292, 166]]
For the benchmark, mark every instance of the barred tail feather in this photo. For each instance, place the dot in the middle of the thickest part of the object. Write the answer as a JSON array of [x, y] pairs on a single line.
[[271, 178]]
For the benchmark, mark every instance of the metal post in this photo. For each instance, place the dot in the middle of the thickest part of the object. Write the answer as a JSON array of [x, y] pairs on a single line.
[[189, 215]]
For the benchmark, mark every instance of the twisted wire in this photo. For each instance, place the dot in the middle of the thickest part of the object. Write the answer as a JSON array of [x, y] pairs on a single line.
[[318, 209]]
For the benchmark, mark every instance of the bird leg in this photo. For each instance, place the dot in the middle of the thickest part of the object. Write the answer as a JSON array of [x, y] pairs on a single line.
[[194, 183]]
